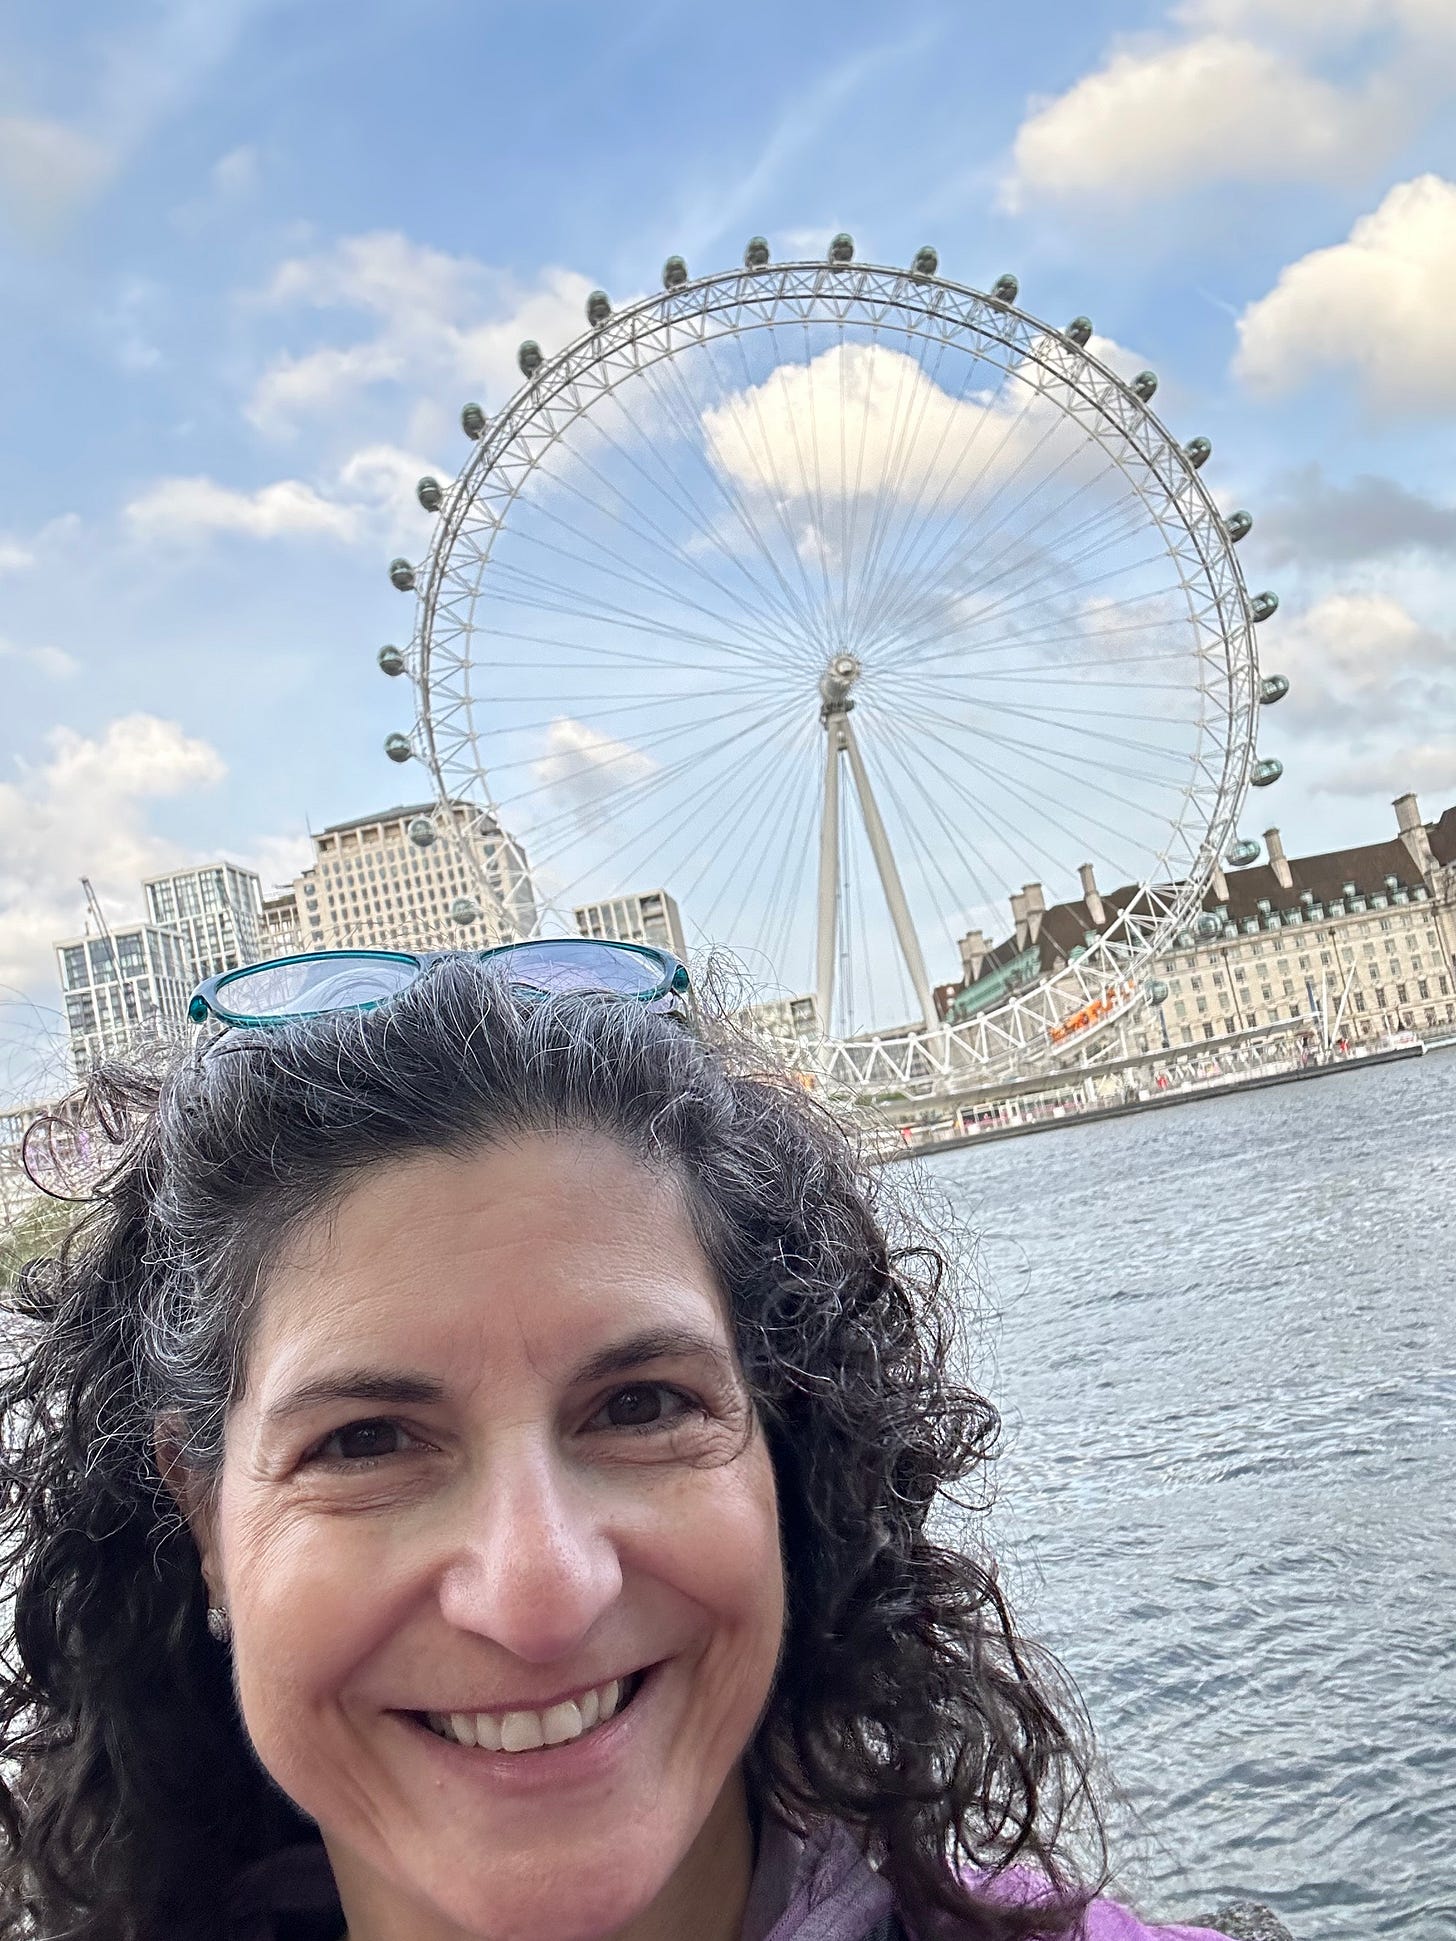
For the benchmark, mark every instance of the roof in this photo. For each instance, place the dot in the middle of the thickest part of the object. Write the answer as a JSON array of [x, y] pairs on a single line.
[[380, 815], [1324, 876]]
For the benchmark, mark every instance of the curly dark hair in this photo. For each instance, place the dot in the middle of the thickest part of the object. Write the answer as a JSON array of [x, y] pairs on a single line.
[[906, 1705]]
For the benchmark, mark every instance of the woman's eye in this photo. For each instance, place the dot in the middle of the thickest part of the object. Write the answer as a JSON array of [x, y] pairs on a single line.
[[364, 1442], [642, 1405]]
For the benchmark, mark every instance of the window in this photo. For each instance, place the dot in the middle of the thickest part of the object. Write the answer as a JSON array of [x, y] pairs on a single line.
[[1208, 1031], [1422, 988], [1203, 1004], [1266, 992], [1402, 995], [73, 967]]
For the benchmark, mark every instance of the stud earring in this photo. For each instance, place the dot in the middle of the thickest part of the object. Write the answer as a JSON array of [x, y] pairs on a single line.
[[219, 1623]]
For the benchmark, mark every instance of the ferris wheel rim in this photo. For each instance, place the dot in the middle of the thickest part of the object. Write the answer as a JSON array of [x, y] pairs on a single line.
[[1157, 911]]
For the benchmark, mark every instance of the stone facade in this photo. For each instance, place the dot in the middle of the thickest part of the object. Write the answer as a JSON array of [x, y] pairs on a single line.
[[1355, 943]]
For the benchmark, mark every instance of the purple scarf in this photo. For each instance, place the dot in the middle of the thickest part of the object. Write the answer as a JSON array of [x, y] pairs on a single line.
[[816, 1889]]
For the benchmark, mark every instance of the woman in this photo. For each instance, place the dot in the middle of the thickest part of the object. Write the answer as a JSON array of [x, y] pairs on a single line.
[[470, 1476]]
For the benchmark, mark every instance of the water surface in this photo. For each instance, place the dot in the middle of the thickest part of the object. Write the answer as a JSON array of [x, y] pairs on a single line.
[[1223, 1339]]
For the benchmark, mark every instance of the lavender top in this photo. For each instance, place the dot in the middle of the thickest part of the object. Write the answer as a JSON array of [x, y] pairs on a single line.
[[819, 1889]]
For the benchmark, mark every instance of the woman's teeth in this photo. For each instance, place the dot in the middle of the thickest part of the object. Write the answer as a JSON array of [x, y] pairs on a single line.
[[529, 1731]]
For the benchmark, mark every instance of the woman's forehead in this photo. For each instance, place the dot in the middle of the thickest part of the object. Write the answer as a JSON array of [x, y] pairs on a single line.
[[533, 1248]]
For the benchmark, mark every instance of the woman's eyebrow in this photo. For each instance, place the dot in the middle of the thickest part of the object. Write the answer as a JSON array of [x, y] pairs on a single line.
[[355, 1385], [655, 1344]]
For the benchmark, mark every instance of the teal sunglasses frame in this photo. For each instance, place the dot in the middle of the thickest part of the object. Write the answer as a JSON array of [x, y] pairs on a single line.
[[668, 994]]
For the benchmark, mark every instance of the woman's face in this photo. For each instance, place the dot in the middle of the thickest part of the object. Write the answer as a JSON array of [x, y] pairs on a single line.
[[494, 1470]]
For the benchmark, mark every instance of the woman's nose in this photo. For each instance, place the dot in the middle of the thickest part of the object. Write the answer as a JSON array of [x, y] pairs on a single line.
[[534, 1564]]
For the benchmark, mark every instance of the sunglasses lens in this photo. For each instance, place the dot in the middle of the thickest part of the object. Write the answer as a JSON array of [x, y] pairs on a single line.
[[342, 980], [560, 968]]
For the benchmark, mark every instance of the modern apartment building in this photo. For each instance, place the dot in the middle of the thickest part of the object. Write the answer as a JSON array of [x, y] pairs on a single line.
[[131, 985], [649, 917], [217, 910], [1352, 942], [371, 882]]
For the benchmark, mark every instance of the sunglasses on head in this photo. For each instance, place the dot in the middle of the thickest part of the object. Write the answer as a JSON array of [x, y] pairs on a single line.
[[319, 981]]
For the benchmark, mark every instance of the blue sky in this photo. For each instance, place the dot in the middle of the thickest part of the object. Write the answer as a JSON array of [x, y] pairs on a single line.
[[257, 252]]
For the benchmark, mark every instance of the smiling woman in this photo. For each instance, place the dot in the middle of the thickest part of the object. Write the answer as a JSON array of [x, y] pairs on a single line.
[[470, 1476]]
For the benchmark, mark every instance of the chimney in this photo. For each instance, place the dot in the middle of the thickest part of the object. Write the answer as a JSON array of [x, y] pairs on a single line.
[[1018, 918], [1278, 861], [1035, 909], [973, 954], [1091, 896], [1220, 884], [1413, 833]]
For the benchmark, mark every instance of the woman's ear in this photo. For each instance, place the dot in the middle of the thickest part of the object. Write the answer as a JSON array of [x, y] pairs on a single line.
[[189, 1489]]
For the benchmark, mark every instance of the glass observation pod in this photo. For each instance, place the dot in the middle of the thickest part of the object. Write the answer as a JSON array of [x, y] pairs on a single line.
[[1241, 853], [1273, 688], [1265, 771]]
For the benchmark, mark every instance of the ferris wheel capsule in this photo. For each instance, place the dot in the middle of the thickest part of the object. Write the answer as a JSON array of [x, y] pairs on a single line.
[[529, 357], [756, 255], [1238, 525], [391, 661], [1272, 688], [472, 420], [1207, 926], [1265, 772], [401, 575], [1241, 853], [430, 493], [464, 911], [927, 261], [598, 308], [1198, 451], [841, 247], [1005, 289], [1157, 991], [1144, 385], [674, 273], [398, 748], [1264, 604], [422, 832], [1079, 331]]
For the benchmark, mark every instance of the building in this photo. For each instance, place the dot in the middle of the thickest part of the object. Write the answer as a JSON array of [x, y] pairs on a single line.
[[1352, 943], [218, 912], [372, 883], [650, 917], [281, 936], [131, 985]]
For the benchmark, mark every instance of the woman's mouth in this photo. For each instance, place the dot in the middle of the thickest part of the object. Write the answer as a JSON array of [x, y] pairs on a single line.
[[558, 1725]]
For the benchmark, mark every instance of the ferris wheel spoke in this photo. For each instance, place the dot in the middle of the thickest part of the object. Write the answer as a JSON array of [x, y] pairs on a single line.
[[955, 705], [931, 869], [634, 788], [960, 641], [709, 790], [945, 596], [631, 754], [739, 505], [653, 531], [756, 839], [771, 481], [1052, 761], [943, 562], [602, 614], [791, 615], [749, 641], [932, 568], [893, 473]]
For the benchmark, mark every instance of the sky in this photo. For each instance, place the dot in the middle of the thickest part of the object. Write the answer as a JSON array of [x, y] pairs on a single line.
[[256, 253]]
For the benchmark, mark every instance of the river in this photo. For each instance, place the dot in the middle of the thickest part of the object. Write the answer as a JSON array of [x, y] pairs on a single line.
[[1223, 1341]]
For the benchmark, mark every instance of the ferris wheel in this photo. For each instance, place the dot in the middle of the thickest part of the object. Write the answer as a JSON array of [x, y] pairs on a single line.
[[842, 603]]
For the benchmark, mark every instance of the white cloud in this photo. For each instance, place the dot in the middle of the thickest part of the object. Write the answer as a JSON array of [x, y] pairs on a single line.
[[437, 321], [837, 428], [1378, 305], [1321, 22], [51, 661], [1157, 120], [1360, 643], [82, 811], [47, 169], [582, 766], [15, 555], [183, 509], [1391, 771], [370, 498]]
